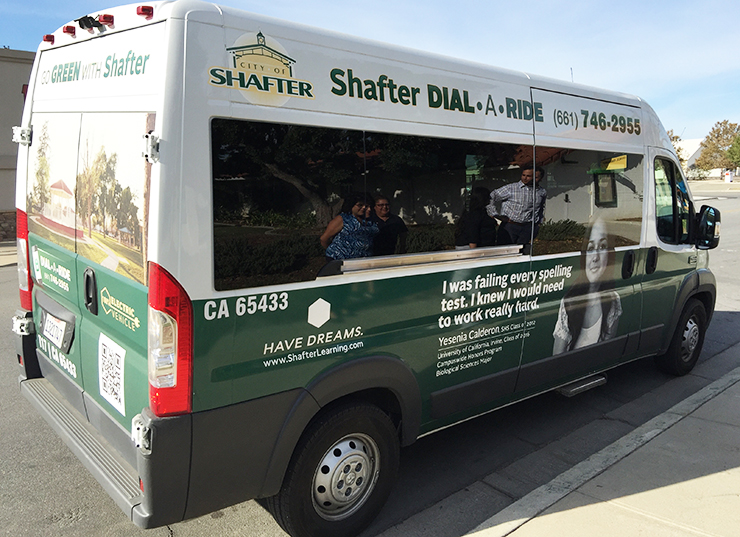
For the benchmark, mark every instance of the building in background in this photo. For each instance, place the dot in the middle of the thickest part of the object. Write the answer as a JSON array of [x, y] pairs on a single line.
[[690, 151], [15, 68]]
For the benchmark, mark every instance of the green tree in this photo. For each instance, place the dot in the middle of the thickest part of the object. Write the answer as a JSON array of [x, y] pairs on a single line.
[[676, 141], [733, 154], [41, 192], [109, 189], [716, 145], [127, 213], [317, 162], [89, 182]]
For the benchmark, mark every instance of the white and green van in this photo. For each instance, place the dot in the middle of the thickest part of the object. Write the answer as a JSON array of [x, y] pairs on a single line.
[[180, 327]]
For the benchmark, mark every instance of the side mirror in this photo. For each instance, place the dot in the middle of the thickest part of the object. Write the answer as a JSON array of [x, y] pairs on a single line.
[[708, 224]]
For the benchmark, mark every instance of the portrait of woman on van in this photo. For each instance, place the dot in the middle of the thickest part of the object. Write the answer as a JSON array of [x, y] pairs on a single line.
[[590, 310], [350, 234]]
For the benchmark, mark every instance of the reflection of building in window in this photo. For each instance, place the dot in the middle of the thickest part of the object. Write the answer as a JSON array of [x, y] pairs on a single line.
[[579, 182], [605, 190]]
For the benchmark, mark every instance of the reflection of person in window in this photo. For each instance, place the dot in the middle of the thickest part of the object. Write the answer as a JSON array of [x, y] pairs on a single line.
[[350, 234], [393, 231], [590, 311], [476, 229], [518, 203]]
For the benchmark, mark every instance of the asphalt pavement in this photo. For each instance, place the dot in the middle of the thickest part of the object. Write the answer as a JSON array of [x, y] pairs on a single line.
[[8, 254]]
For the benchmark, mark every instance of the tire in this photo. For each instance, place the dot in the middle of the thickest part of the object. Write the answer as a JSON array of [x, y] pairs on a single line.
[[341, 473], [685, 347]]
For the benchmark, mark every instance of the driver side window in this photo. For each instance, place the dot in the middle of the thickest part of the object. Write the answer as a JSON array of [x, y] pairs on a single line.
[[672, 204]]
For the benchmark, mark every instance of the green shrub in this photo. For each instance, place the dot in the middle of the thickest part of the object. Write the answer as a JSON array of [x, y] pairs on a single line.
[[304, 220], [236, 258], [431, 238], [561, 230]]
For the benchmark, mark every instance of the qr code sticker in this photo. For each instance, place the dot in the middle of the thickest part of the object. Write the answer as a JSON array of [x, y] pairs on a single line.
[[111, 359]]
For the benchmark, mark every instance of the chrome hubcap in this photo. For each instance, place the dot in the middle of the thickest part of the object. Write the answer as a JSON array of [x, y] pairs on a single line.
[[345, 476], [690, 339]]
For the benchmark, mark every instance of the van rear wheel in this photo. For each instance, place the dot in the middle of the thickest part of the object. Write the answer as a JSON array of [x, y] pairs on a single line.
[[685, 347], [341, 473]]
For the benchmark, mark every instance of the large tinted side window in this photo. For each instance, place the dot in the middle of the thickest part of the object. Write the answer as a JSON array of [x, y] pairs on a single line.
[[276, 187], [672, 204], [583, 186]]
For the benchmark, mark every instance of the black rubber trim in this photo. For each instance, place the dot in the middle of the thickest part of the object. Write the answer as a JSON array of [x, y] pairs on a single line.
[[25, 347], [112, 431], [165, 472], [473, 393], [538, 375], [62, 382], [651, 339], [233, 448], [381, 372], [707, 288], [687, 290]]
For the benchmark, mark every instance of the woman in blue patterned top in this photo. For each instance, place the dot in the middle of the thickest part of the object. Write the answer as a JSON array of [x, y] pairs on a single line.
[[351, 233]]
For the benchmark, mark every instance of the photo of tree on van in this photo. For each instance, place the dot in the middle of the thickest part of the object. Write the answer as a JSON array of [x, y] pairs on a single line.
[[277, 186], [91, 201]]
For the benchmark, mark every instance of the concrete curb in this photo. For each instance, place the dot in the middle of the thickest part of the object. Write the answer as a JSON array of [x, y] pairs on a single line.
[[525, 509]]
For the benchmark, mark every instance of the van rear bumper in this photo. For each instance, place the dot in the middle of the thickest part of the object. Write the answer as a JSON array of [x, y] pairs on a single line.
[[163, 474], [116, 476], [198, 463]]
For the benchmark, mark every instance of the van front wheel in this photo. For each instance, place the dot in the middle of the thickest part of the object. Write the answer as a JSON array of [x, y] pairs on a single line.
[[685, 347], [341, 473]]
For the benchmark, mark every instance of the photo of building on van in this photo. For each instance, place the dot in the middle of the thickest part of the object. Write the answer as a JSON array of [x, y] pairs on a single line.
[[92, 201], [205, 295]]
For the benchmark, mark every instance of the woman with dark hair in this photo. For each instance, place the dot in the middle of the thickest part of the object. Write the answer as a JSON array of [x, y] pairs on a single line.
[[590, 311], [350, 234], [476, 229]]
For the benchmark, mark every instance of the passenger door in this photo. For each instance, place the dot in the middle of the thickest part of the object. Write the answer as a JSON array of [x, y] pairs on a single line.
[[670, 254], [587, 251]]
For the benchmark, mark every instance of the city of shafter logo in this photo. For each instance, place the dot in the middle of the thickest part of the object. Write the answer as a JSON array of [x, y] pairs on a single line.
[[262, 70]]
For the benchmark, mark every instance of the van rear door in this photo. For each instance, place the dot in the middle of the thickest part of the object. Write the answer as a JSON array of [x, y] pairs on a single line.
[[112, 189], [86, 233], [88, 192], [51, 209]]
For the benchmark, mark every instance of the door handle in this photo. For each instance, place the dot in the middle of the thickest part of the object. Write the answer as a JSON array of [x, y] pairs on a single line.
[[652, 260], [90, 285], [628, 264]]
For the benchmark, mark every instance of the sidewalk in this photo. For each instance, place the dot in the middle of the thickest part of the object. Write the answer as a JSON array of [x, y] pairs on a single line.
[[7, 253], [677, 475]]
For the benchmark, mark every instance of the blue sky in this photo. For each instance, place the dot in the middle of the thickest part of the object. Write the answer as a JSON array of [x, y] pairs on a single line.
[[679, 55]]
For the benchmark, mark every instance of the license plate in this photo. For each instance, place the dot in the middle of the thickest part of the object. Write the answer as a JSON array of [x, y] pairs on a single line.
[[54, 330]]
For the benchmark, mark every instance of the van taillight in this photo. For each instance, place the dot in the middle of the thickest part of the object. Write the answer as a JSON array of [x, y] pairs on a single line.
[[25, 284], [170, 345]]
